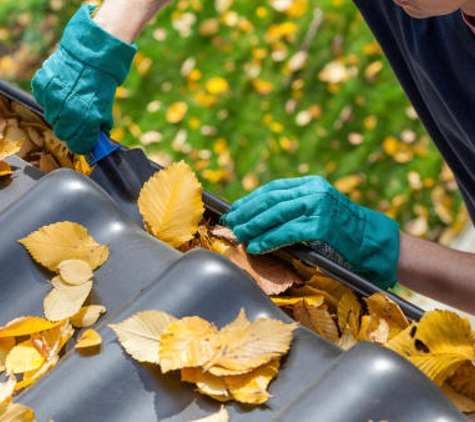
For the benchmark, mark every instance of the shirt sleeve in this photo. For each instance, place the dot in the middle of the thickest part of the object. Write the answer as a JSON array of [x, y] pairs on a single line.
[[469, 21]]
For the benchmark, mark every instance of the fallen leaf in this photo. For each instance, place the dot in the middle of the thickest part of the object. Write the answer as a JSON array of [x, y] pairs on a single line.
[[52, 244], [187, 342], [171, 204], [140, 334], [89, 338], [87, 316], [271, 274]]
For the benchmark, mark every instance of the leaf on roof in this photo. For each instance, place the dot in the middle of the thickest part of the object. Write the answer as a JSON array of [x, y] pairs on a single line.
[[140, 334], [190, 341], [52, 244], [171, 204], [89, 339], [87, 316]]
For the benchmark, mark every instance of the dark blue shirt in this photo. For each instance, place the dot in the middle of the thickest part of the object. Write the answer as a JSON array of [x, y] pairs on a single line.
[[434, 60]]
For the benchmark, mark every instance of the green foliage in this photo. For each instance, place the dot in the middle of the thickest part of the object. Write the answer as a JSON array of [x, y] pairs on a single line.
[[251, 116]]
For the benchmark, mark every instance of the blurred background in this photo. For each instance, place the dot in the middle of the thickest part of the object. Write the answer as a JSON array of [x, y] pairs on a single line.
[[249, 91]]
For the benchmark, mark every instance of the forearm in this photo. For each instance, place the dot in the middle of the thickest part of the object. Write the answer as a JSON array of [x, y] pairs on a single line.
[[438, 272], [125, 19]]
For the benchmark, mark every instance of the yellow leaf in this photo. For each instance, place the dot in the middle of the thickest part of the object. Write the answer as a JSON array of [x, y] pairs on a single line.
[[463, 380], [381, 306], [444, 332], [6, 344], [206, 383], [5, 169], [7, 388], [87, 316], [221, 416], [52, 244], [65, 300], [245, 346], [16, 412], [89, 338], [26, 325], [462, 402], [24, 357], [8, 147], [187, 342], [140, 334], [315, 319], [75, 271], [349, 311], [171, 204], [252, 387]]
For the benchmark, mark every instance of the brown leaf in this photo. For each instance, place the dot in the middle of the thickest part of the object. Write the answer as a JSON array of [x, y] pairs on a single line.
[[271, 274]]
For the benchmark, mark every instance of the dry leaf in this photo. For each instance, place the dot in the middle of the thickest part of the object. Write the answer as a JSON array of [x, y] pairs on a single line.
[[16, 412], [316, 319], [65, 300], [27, 325], [381, 306], [247, 346], [24, 357], [171, 204], [187, 342], [75, 271], [88, 339], [252, 387], [87, 316], [271, 274], [9, 147], [6, 344], [206, 383], [52, 244], [7, 388], [140, 334], [5, 169]]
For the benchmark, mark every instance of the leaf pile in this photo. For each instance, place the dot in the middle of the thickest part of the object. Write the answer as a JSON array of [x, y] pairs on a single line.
[[236, 362], [441, 344], [38, 144], [31, 345]]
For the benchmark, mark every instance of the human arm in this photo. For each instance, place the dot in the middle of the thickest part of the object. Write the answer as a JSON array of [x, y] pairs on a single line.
[[115, 16], [438, 272], [76, 85], [307, 209]]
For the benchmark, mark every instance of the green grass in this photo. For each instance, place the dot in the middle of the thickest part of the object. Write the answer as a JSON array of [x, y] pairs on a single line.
[[242, 138]]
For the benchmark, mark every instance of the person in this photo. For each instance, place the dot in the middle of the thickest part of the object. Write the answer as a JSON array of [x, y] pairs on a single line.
[[430, 45]]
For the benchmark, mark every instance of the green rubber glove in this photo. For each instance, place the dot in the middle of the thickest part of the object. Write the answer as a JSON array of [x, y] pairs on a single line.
[[288, 211], [76, 84]]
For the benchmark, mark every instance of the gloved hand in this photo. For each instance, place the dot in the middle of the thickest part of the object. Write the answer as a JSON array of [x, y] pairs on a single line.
[[77, 83], [294, 210]]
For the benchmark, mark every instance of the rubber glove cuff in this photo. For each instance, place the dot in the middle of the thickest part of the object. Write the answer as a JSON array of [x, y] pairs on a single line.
[[87, 41]]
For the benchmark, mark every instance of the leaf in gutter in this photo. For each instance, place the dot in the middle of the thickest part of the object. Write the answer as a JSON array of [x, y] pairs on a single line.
[[171, 204]]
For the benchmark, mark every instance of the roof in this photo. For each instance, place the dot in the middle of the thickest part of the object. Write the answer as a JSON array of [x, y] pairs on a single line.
[[318, 381]]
